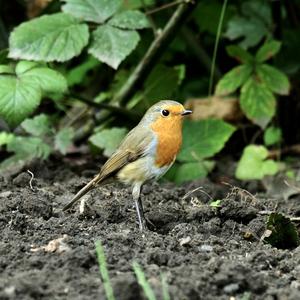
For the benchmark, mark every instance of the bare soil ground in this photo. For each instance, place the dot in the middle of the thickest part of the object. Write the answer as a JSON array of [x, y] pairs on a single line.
[[204, 252]]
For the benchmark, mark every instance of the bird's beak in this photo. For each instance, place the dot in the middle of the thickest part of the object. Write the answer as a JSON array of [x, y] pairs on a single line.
[[186, 112]]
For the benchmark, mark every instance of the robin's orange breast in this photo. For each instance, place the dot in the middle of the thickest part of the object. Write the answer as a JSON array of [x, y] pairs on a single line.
[[169, 139]]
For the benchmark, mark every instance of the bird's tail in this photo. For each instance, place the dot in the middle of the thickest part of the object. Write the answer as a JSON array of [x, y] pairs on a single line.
[[83, 191]]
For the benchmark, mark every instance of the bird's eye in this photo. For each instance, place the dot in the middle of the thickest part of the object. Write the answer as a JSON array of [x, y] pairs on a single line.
[[165, 112]]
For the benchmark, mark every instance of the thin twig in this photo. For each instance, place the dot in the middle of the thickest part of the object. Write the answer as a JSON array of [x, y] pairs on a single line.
[[30, 182], [165, 6], [150, 18], [155, 51], [212, 72]]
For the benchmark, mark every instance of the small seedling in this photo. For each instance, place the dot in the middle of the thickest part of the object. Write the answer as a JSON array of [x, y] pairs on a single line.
[[140, 275], [216, 203], [104, 272]]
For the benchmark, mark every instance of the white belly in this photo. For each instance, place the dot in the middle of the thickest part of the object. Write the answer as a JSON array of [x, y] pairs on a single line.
[[141, 170]]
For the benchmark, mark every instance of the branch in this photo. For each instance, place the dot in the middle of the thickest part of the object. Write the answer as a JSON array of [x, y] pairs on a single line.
[[154, 52], [118, 110]]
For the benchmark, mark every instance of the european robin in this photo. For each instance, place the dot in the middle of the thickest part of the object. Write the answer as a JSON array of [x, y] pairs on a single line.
[[146, 153]]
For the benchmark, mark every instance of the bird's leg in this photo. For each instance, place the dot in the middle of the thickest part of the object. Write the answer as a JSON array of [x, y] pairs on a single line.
[[136, 190]]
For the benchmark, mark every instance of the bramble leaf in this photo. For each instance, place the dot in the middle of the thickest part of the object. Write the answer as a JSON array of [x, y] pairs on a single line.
[[275, 80], [267, 50], [6, 69], [40, 125], [108, 139], [5, 138], [18, 98], [112, 45], [130, 19], [50, 81], [233, 79], [29, 147], [56, 37], [191, 171], [91, 10], [254, 165], [272, 135], [203, 139], [257, 102], [239, 54], [63, 139], [252, 25]]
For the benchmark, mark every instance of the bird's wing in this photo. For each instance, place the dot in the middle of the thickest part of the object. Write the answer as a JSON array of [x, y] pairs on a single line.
[[133, 146]]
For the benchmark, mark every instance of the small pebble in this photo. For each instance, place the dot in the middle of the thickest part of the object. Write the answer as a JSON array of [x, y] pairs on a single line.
[[206, 248]]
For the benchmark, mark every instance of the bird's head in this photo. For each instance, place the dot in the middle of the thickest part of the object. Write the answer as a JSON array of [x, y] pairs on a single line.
[[166, 112]]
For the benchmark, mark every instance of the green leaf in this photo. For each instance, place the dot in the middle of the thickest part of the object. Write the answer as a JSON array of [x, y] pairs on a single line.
[[79, 73], [272, 135], [136, 4], [267, 50], [252, 25], [24, 66], [63, 139], [92, 10], [57, 37], [254, 165], [6, 69], [160, 84], [207, 16], [257, 102], [25, 149], [239, 54], [191, 171], [29, 147], [203, 139], [108, 139], [233, 79], [284, 234], [252, 31], [275, 80], [6, 138], [18, 98], [130, 19], [38, 126], [112, 45], [50, 81]]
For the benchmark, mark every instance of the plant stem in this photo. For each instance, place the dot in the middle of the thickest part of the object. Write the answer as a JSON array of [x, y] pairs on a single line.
[[212, 72], [154, 52]]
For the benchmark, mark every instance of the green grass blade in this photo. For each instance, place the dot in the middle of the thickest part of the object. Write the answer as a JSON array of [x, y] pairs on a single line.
[[140, 275], [165, 288], [104, 272], [213, 63]]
